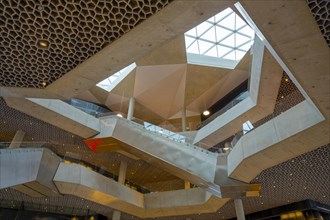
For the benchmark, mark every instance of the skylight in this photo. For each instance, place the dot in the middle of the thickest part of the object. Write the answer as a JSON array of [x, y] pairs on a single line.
[[222, 40], [109, 83]]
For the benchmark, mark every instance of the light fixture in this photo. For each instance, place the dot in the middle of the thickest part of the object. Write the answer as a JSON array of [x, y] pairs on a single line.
[[206, 112], [44, 84], [119, 115], [226, 148], [43, 44]]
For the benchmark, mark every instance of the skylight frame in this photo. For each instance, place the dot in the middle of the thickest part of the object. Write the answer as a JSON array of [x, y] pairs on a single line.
[[200, 49]]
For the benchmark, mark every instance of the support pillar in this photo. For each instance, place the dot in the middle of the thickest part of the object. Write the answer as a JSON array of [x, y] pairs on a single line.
[[122, 172], [184, 119], [121, 180], [131, 108], [17, 140], [239, 209], [116, 215]]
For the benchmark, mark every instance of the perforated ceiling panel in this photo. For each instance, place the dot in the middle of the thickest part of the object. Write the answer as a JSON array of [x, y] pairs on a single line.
[[321, 12], [75, 30]]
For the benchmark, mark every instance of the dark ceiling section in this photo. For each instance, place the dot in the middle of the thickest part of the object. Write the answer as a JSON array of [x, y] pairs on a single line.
[[70, 205], [321, 12], [75, 30]]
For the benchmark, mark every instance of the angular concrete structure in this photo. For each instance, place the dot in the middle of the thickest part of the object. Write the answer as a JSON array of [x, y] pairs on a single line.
[[58, 113], [265, 81], [79, 181], [30, 171], [201, 167]]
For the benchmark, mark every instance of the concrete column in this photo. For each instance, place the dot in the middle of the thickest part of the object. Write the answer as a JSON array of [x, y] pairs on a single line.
[[131, 108], [122, 172], [186, 184], [184, 120], [121, 180], [239, 209], [116, 215], [17, 140]]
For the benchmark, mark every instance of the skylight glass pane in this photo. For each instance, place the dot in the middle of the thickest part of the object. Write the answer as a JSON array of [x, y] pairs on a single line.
[[193, 48], [230, 56], [204, 46], [246, 47], [212, 52], [222, 33], [211, 19], [223, 50], [228, 22], [218, 39], [222, 14], [191, 32], [247, 31], [240, 39], [229, 41], [189, 41], [239, 22], [107, 83], [209, 35], [112, 78], [239, 54], [202, 28]]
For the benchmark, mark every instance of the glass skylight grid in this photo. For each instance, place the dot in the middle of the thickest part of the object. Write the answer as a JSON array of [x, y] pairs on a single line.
[[225, 36], [108, 82]]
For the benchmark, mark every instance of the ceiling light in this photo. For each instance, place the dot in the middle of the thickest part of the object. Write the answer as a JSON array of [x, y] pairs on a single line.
[[43, 44], [44, 84], [119, 115], [226, 148], [206, 112]]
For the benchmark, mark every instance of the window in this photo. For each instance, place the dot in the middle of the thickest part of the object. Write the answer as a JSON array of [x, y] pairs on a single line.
[[221, 41], [108, 83]]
